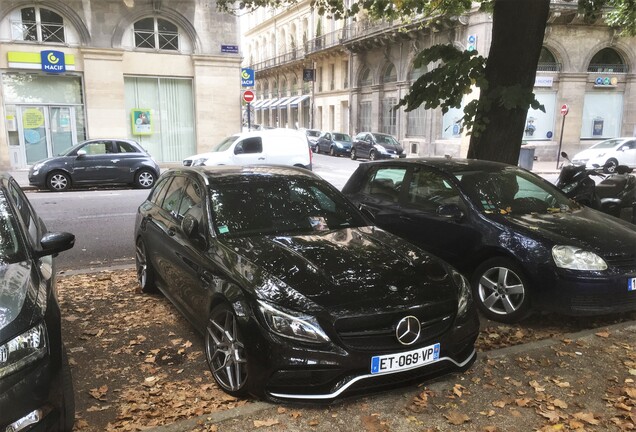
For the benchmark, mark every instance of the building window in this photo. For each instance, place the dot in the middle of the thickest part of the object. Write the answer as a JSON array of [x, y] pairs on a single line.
[[390, 75], [345, 74], [332, 76], [37, 24], [364, 123], [539, 124], [415, 121], [417, 72], [389, 116], [365, 77], [602, 115], [607, 60], [319, 78], [156, 33], [547, 61]]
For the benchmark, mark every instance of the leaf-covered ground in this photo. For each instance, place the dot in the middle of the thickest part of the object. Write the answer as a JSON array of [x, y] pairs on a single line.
[[137, 363]]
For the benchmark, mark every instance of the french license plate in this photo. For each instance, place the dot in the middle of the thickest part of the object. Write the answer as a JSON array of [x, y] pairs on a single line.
[[631, 284], [406, 360]]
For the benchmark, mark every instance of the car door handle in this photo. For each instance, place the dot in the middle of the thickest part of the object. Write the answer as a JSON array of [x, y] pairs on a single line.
[[261, 158]]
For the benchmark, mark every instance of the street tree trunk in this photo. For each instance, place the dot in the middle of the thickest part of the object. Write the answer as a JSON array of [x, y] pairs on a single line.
[[517, 39]]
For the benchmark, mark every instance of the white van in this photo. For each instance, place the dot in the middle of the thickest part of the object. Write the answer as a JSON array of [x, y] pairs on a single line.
[[269, 146]]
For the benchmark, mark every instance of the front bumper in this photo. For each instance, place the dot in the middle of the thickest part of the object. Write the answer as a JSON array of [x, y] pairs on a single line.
[[390, 156], [582, 294], [287, 371]]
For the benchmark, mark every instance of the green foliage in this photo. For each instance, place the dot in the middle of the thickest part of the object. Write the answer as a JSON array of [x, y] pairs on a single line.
[[622, 16]]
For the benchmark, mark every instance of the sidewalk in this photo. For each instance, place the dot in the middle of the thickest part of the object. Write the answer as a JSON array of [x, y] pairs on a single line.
[[584, 381]]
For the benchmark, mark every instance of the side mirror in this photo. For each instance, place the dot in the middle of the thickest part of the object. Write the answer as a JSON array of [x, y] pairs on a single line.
[[190, 226], [238, 149], [53, 243], [450, 211], [81, 153], [564, 155]]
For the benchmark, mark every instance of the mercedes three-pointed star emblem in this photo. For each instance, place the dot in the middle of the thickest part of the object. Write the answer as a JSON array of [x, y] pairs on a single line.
[[408, 330]]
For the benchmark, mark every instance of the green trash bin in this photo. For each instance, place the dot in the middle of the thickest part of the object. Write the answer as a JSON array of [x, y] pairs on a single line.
[[526, 157]]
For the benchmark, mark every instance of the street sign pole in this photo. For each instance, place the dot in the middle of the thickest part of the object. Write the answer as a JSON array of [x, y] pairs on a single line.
[[249, 120], [564, 112]]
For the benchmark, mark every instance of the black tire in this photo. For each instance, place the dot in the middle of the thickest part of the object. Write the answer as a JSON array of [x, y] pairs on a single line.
[[610, 166], [317, 149], [225, 351], [67, 408], [353, 154], [372, 155], [332, 151], [145, 272], [58, 181], [144, 179], [500, 290]]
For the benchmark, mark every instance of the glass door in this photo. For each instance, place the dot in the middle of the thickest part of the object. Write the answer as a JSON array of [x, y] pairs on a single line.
[[33, 134]]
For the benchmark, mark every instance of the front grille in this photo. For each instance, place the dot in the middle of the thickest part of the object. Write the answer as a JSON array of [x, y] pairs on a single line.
[[625, 262], [377, 333], [606, 302]]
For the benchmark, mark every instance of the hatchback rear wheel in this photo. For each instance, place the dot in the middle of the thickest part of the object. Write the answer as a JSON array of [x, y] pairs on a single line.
[[353, 154], [144, 179]]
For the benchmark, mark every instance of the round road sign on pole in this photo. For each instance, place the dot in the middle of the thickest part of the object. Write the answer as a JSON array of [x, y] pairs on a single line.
[[248, 96], [564, 110]]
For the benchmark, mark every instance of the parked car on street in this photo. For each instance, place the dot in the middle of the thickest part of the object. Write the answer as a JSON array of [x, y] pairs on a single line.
[[268, 146], [96, 162], [608, 154], [298, 296], [372, 146], [524, 245], [36, 389], [334, 143], [312, 136]]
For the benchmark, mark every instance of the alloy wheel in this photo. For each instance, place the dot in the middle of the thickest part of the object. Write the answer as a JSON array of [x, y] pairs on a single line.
[[145, 179], [225, 351], [501, 291], [59, 182]]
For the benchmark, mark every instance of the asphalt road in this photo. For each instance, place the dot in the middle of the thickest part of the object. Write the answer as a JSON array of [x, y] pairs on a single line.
[[103, 220]]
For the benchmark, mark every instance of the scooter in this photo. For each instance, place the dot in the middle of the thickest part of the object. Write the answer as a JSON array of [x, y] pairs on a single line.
[[615, 194]]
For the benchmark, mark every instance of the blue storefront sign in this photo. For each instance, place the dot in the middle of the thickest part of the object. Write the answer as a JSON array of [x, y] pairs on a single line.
[[53, 61], [247, 77]]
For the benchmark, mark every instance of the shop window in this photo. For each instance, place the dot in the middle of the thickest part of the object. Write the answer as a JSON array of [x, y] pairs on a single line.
[[416, 121], [156, 33], [607, 60], [37, 24], [390, 75], [602, 115], [417, 72], [452, 123], [539, 124]]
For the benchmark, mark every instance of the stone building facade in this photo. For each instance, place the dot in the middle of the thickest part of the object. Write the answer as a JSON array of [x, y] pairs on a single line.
[[78, 69], [362, 68]]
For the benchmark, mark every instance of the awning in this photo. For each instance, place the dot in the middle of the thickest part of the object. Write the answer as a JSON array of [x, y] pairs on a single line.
[[258, 103], [280, 102], [268, 103], [297, 101]]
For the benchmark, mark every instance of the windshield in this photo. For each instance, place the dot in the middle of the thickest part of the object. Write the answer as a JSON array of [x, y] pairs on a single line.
[[279, 206], [11, 248], [385, 139], [341, 137], [513, 191], [225, 144], [313, 133], [611, 143]]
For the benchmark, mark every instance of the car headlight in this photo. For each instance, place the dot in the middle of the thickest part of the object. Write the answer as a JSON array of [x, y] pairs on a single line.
[[22, 350], [573, 258], [199, 162], [338, 145], [465, 296], [300, 327], [37, 166]]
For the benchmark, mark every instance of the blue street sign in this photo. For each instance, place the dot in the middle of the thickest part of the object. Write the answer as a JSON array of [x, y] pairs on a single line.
[[247, 77], [232, 49]]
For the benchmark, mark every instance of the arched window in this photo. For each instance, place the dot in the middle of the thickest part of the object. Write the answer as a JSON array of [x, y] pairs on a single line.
[[607, 60], [156, 33], [390, 75], [37, 24], [547, 61], [365, 77], [417, 72]]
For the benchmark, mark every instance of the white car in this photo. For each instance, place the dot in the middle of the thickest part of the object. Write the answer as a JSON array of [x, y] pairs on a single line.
[[609, 154], [269, 146]]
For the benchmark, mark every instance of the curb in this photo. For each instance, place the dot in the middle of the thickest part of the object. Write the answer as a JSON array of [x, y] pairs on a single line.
[[257, 407]]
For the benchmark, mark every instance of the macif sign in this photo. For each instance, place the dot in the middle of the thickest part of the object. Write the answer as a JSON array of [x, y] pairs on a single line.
[[53, 61]]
